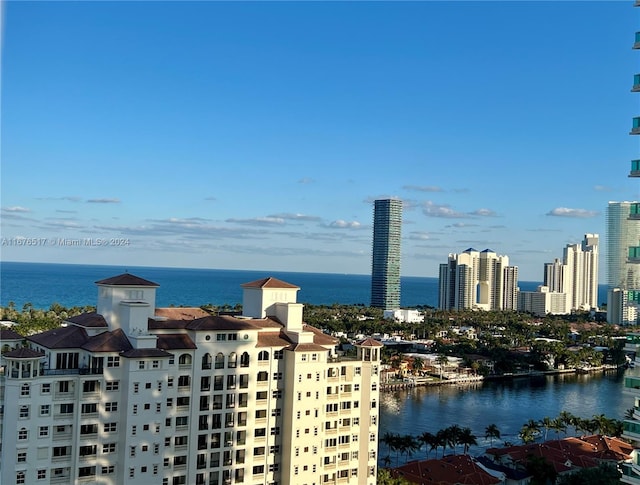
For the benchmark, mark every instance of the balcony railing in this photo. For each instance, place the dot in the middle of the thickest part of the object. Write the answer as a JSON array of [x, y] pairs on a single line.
[[636, 44], [635, 127], [72, 372]]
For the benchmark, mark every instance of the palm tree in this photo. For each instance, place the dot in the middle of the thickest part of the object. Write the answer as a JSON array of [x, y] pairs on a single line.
[[418, 365], [467, 439], [547, 424], [529, 431], [491, 432], [429, 441], [442, 360], [453, 434], [558, 425], [567, 418], [441, 440]]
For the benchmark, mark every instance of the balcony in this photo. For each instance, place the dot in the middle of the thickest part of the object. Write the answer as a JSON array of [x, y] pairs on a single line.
[[636, 84], [636, 44], [630, 473], [632, 384], [635, 128], [633, 254], [631, 430], [635, 168], [71, 372], [634, 212]]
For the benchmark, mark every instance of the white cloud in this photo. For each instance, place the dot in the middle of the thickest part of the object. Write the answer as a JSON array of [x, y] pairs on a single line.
[[424, 188], [15, 208], [341, 224], [105, 200], [567, 212], [431, 209]]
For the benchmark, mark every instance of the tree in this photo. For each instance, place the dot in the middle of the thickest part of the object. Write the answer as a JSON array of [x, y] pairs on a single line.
[[384, 478], [492, 432], [442, 360], [547, 424], [542, 472], [467, 439], [605, 474], [429, 441]]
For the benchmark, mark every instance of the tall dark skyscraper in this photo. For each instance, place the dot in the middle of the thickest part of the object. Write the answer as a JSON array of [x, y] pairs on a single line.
[[385, 266]]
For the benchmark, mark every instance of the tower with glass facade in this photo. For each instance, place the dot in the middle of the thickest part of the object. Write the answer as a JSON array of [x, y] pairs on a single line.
[[385, 266]]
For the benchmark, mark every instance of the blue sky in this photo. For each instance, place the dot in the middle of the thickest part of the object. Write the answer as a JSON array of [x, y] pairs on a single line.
[[244, 135]]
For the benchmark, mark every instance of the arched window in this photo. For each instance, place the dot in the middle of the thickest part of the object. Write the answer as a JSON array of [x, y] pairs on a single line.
[[244, 359], [263, 355], [25, 390], [184, 359], [219, 360], [263, 376], [206, 361], [233, 360]]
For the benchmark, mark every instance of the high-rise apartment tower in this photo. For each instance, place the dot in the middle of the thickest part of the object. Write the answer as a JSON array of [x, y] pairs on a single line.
[[385, 266], [623, 260], [478, 279]]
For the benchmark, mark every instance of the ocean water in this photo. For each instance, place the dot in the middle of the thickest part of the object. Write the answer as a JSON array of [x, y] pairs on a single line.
[[43, 284]]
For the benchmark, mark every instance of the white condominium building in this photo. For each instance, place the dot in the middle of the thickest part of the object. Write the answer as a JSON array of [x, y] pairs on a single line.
[[478, 280], [577, 275], [134, 394]]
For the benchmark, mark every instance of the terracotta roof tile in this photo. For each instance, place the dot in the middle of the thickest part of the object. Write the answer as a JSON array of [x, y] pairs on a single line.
[[307, 348], [450, 470], [175, 341], [369, 342], [320, 337], [91, 319], [126, 279], [153, 324], [273, 339], [61, 338], [220, 323], [143, 353], [8, 334], [23, 353], [269, 282], [181, 313], [115, 341]]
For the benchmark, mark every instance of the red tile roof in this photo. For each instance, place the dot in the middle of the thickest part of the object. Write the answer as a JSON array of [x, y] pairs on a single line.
[[268, 283], [126, 279], [23, 353], [145, 353], [91, 319], [307, 348], [320, 337], [175, 341], [8, 334], [273, 339], [115, 341], [450, 470], [61, 338], [181, 313], [369, 342], [220, 323]]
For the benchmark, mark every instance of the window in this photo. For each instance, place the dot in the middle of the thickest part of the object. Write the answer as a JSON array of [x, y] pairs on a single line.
[[277, 394], [45, 389], [258, 451], [42, 474], [263, 355], [141, 365], [43, 431], [219, 363], [111, 407], [233, 360], [89, 408], [184, 359], [25, 390], [205, 383], [22, 456], [244, 381], [63, 386], [182, 401], [24, 411], [20, 477], [170, 381], [244, 360], [231, 381], [261, 395], [86, 471], [132, 451], [260, 432], [278, 354], [112, 385], [263, 376], [182, 421], [136, 387], [109, 448], [66, 408], [108, 470], [88, 429], [221, 337], [184, 381], [113, 361], [88, 450], [258, 469], [155, 364], [110, 427], [134, 430], [274, 467]]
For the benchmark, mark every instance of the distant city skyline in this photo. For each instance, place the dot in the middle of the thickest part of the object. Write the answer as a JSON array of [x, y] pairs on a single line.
[[256, 135]]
